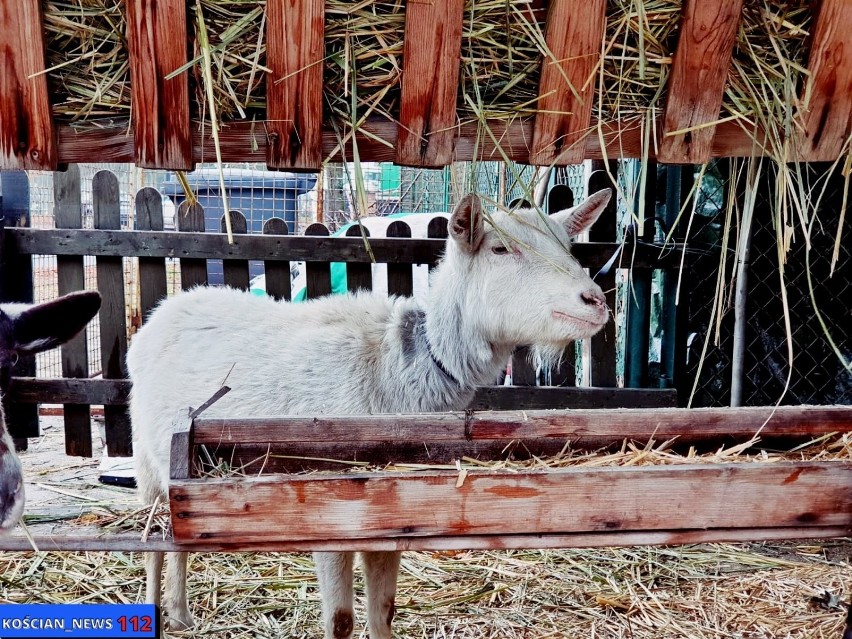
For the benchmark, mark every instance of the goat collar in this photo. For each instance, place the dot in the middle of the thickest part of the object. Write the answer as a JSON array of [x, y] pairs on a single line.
[[440, 364]]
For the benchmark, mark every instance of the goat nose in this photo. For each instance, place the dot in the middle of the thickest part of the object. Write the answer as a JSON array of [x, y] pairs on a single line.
[[593, 297]]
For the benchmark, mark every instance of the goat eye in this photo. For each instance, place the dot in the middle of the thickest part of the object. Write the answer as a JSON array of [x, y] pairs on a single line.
[[500, 250]]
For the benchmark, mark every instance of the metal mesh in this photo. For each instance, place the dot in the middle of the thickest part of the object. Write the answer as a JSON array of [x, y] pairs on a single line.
[[817, 375]]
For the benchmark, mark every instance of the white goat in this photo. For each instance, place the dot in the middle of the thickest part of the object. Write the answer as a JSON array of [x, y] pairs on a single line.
[[501, 284], [26, 329]]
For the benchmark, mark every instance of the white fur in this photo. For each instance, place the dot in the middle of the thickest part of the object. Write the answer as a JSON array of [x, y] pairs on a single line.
[[360, 354]]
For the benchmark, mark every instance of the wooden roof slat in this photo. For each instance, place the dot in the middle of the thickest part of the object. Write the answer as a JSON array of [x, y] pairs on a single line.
[[241, 142], [27, 135], [157, 46], [827, 122], [697, 82], [295, 46], [573, 34], [430, 78]]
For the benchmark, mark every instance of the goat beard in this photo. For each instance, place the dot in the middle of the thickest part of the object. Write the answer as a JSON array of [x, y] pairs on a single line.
[[547, 356]]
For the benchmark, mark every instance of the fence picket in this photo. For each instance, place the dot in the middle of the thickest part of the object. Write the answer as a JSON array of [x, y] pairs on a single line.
[[236, 272], [68, 214], [277, 273], [152, 270], [106, 200], [190, 219], [602, 347], [359, 275], [400, 276], [317, 274]]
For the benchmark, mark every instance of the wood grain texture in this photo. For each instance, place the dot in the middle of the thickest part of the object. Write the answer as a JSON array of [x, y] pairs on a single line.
[[130, 542], [310, 248], [180, 449], [190, 223], [318, 274], [277, 273], [68, 213], [241, 142], [153, 284], [359, 275], [576, 500], [582, 425], [430, 79], [295, 32], [236, 272], [400, 276], [27, 134], [827, 119], [566, 91], [696, 84], [156, 39], [113, 323]]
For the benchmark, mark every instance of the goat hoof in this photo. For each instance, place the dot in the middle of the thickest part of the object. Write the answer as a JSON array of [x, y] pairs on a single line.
[[177, 620]]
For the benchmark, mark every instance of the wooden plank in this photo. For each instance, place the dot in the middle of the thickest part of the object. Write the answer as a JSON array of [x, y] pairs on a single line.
[[106, 198], [400, 276], [574, 500], [584, 426], [162, 134], [70, 391], [27, 136], [696, 83], [277, 273], [180, 449], [116, 391], [318, 274], [236, 272], [193, 269], [566, 90], [603, 346], [153, 284], [540, 398], [130, 542], [310, 248], [295, 32], [827, 118], [429, 85], [68, 213], [377, 139], [359, 275]]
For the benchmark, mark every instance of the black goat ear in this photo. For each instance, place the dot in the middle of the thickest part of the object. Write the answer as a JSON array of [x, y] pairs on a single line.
[[43, 326], [467, 227]]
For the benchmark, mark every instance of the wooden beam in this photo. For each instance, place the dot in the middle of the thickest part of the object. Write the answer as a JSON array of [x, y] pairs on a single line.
[[56, 540], [566, 90], [378, 137], [156, 38], [579, 500], [291, 248], [430, 79], [295, 32], [708, 31], [27, 136], [577, 425], [827, 121]]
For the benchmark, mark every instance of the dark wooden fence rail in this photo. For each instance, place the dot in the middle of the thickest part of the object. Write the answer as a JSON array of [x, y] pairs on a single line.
[[194, 249]]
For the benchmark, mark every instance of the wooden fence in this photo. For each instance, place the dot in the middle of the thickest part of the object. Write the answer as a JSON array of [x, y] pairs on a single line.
[[192, 249]]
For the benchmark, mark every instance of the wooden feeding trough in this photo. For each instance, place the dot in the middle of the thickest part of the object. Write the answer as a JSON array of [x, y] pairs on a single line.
[[467, 507]]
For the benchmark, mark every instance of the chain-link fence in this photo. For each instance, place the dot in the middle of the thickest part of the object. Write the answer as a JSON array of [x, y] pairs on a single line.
[[815, 301]]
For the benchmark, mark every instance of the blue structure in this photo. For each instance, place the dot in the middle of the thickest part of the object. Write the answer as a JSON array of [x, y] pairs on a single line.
[[259, 195], [14, 197]]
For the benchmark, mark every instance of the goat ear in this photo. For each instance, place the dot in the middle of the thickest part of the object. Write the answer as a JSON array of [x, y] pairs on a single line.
[[43, 326], [583, 215], [466, 224]]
